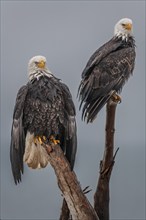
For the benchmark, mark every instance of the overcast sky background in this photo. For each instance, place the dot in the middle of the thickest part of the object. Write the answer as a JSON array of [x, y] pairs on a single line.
[[67, 33]]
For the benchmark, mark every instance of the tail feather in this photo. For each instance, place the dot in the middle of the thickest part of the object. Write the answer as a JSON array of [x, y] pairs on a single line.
[[43, 157], [90, 110], [97, 106], [35, 155], [33, 158]]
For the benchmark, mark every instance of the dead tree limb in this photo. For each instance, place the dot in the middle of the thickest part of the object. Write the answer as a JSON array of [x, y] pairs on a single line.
[[79, 206], [65, 213], [101, 197]]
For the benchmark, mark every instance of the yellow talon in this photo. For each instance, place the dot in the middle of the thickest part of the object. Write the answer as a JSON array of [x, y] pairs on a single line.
[[56, 141], [35, 140], [53, 140], [116, 98], [39, 139]]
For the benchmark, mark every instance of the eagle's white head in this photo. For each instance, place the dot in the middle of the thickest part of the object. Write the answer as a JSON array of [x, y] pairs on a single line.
[[37, 67], [123, 28]]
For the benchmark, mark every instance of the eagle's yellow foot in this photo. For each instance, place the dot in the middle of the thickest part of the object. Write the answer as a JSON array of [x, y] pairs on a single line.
[[39, 139], [116, 98], [53, 140]]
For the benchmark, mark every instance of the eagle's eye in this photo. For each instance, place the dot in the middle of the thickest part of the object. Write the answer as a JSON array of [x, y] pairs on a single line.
[[127, 26], [40, 64]]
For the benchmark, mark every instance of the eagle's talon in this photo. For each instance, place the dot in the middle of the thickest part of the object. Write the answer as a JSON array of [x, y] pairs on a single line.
[[53, 140], [40, 139], [56, 142], [36, 140], [116, 98]]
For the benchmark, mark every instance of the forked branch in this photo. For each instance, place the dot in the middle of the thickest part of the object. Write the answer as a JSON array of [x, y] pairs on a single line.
[[74, 197]]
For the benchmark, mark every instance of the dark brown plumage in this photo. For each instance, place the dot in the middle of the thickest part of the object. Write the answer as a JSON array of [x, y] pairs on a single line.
[[44, 108], [106, 72]]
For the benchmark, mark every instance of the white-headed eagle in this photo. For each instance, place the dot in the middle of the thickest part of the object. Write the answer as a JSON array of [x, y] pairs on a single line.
[[107, 70], [44, 112]]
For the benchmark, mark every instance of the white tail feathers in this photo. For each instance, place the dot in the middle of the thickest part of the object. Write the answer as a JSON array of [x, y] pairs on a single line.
[[35, 155]]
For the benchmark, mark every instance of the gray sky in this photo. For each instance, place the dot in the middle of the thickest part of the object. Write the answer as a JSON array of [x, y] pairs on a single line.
[[67, 33]]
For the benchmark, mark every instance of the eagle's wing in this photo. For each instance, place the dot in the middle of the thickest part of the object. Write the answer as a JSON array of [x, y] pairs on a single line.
[[70, 141], [99, 54], [18, 136]]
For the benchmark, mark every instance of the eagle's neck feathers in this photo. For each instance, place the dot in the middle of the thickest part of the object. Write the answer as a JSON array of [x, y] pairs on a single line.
[[122, 36], [38, 73]]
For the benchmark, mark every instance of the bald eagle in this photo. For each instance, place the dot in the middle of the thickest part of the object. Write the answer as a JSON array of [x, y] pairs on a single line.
[[107, 71], [44, 112]]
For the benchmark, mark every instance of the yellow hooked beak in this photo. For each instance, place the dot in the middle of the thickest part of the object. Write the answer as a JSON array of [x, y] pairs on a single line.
[[41, 64], [128, 26]]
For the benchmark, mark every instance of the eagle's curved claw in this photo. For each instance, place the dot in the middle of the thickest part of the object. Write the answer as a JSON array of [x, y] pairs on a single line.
[[116, 98], [40, 139], [53, 140]]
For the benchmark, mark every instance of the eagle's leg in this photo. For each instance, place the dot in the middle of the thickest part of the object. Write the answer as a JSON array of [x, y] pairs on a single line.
[[116, 98], [53, 140]]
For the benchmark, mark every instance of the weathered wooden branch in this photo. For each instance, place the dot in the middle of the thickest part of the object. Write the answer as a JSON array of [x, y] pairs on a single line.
[[65, 213], [75, 201], [79, 206], [101, 197]]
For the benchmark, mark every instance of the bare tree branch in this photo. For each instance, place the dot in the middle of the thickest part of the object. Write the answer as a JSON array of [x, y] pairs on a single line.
[[101, 197], [79, 206], [75, 201], [65, 213]]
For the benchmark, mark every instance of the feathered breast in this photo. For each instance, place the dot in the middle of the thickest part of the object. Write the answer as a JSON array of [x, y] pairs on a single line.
[[44, 107]]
